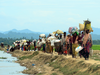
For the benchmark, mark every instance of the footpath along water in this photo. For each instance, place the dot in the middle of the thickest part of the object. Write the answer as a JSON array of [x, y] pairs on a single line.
[[8, 66]]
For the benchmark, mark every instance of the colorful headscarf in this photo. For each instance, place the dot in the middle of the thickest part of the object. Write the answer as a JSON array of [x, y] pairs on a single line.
[[75, 32]]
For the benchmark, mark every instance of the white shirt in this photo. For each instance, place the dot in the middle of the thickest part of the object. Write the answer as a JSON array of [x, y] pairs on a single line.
[[63, 39]]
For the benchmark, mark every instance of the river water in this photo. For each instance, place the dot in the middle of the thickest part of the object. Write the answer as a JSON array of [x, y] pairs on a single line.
[[8, 66]]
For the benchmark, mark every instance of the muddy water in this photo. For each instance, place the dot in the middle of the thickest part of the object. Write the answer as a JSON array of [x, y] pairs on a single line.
[[8, 66]]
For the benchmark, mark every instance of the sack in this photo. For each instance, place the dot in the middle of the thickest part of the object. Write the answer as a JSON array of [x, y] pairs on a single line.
[[57, 40], [51, 34], [42, 35], [81, 26], [87, 24], [43, 41], [90, 30], [74, 29], [52, 38], [70, 28], [25, 43], [40, 44], [79, 48]]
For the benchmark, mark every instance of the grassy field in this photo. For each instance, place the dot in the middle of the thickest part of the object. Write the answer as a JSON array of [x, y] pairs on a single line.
[[96, 47]]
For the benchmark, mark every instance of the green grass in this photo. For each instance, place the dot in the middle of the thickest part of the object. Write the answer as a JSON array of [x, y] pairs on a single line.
[[67, 70], [32, 47], [54, 74], [95, 57], [96, 47], [93, 69], [3, 58], [30, 56], [39, 74]]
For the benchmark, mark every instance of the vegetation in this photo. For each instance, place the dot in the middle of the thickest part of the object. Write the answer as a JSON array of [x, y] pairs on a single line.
[[96, 56], [96, 47], [74, 70], [3, 58], [54, 74], [9, 41], [39, 74], [30, 56], [96, 42]]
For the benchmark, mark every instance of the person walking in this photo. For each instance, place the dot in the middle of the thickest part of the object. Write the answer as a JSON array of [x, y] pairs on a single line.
[[87, 44], [74, 43]]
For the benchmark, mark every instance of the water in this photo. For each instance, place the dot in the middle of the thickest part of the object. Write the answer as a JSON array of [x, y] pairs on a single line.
[[8, 66]]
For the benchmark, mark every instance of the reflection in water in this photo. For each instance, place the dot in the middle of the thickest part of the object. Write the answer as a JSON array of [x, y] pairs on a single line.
[[8, 66]]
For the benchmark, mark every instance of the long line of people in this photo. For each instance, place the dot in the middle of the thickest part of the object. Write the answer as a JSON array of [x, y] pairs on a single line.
[[61, 43]]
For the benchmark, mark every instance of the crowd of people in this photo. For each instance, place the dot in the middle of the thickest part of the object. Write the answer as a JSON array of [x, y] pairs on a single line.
[[66, 44]]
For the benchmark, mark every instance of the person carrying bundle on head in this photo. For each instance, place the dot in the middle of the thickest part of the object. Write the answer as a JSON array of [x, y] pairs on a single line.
[[87, 40], [74, 43]]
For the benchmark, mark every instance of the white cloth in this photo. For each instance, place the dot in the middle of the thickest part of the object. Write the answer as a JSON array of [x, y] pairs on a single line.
[[78, 48], [52, 42], [51, 38], [51, 34], [63, 39], [43, 40], [10, 47], [40, 44], [42, 35]]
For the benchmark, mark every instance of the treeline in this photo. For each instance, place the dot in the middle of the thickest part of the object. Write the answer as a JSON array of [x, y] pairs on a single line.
[[9, 41], [96, 42]]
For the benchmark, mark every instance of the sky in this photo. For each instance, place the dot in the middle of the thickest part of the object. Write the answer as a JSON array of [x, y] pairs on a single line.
[[47, 15]]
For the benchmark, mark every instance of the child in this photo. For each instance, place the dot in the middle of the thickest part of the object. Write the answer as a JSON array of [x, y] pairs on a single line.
[[8, 48], [65, 49], [22, 47]]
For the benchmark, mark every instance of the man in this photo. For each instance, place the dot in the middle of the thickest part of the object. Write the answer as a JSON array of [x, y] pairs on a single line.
[[64, 38], [34, 45]]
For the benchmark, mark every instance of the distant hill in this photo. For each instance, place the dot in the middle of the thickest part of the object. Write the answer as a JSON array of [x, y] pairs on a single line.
[[95, 37], [19, 35], [20, 31], [96, 31], [30, 34]]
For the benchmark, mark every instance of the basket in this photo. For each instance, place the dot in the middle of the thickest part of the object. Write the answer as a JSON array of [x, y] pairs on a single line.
[[56, 44]]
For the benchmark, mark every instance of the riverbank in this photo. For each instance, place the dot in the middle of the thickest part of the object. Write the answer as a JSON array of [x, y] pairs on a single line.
[[48, 64], [8, 65]]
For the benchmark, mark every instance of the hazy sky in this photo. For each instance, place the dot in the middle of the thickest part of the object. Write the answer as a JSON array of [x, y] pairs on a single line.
[[47, 15]]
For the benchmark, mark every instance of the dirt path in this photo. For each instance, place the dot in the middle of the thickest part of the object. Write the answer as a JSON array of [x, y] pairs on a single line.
[[46, 69], [91, 61]]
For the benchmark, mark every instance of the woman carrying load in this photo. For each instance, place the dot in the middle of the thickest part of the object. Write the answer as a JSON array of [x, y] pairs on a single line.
[[87, 44], [81, 35], [74, 43]]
